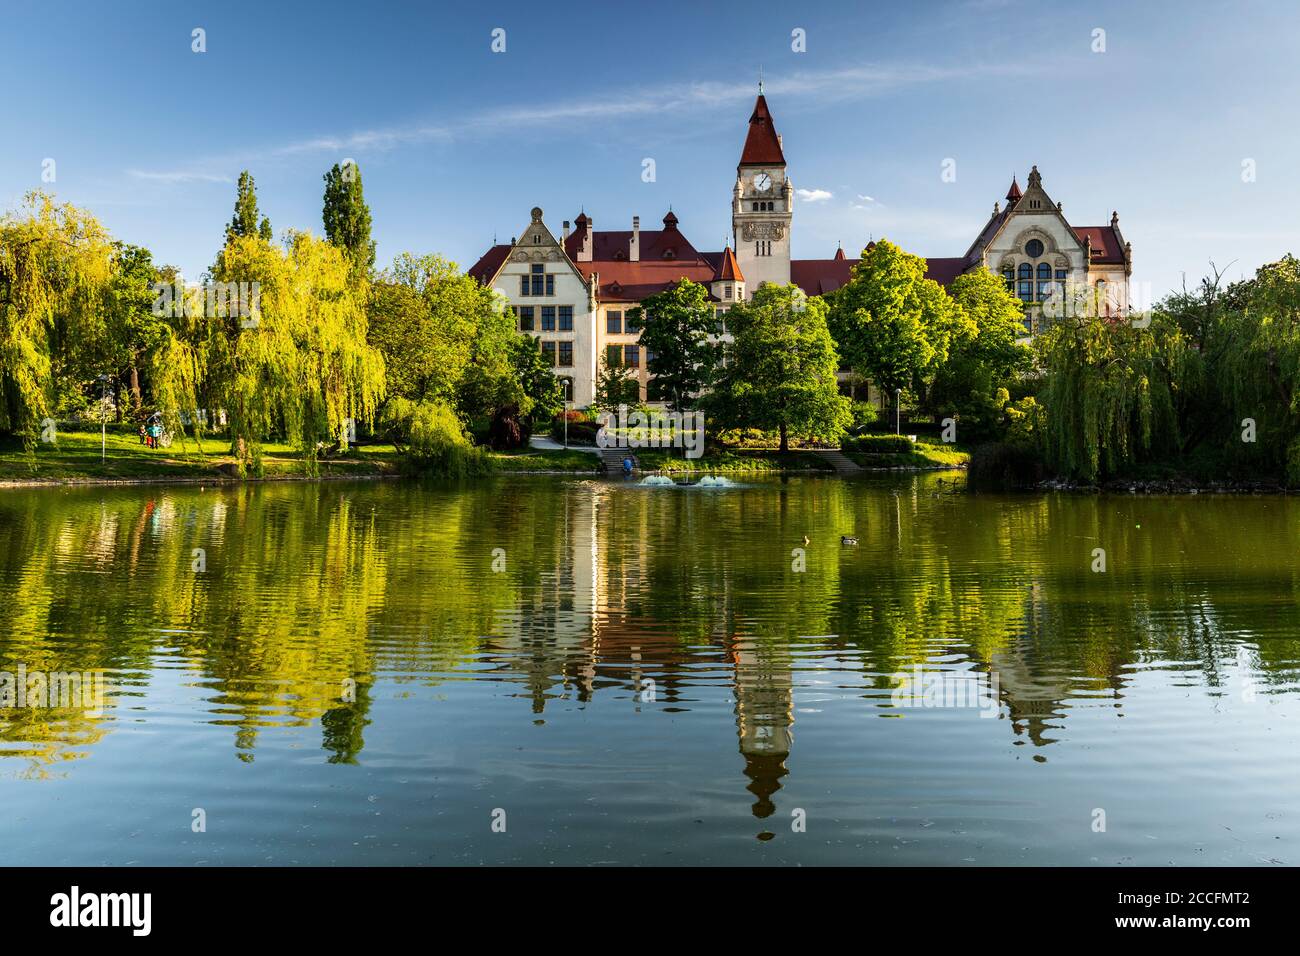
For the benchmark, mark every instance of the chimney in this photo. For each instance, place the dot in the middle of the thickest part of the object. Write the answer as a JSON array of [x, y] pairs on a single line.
[[634, 252], [566, 230]]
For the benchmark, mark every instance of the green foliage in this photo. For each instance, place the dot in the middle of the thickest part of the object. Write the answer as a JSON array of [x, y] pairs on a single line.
[[542, 393], [675, 326], [447, 339], [878, 444], [55, 266], [864, 415], [1109, 400], [347, 217], [244, 222], [432, 439], [983, 356], [615, 386], [891, 323], [305, 369], [781, 375]]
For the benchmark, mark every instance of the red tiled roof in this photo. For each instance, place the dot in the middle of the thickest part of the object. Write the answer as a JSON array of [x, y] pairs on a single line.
[[632, 281], [819, 276], [839, 253], [1013, 193], [487, 266], [1106, 247], [730, 268], [762, 148], [943, 271]]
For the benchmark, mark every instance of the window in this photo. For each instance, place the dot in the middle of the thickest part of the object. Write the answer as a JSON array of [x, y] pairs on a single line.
[[633, 324], [614, 355], [550, 285], [525, 318], [523, 285], [755, 207], [719, 321], [649, 357], [566, 318], [614, 323], [542, 283], [632, 356], [763, 247], [566, 353], [1034, 248], [1044, 280], [726, 292], [548, 318], [548, 352], [1025, 277], [1009, 276]]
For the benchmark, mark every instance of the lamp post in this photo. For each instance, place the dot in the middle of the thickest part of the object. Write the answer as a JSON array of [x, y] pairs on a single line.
[[568, 395], [898, 411]]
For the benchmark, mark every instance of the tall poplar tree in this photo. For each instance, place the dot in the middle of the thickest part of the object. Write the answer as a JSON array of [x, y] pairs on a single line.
[[347, 217]]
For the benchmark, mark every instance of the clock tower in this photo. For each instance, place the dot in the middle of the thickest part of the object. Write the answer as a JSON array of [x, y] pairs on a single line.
[[761, 204]]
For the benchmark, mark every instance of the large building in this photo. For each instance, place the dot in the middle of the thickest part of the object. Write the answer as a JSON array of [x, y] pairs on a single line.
[[574, 292]]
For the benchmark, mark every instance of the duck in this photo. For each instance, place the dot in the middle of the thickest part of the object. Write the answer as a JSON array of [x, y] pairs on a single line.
[[848, 539]]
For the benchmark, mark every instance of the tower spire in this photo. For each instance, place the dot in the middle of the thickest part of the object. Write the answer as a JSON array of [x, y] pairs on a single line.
[[760, 79]]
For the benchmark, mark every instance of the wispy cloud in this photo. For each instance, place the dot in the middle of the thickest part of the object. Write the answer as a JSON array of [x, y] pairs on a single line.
[[813, 195], [179, 176], [679, 100]]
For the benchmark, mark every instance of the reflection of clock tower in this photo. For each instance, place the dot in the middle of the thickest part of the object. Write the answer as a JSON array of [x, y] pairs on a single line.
[[761, 204]]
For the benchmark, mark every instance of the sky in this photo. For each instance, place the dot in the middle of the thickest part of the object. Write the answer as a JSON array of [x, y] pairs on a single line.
[[1175, 116]]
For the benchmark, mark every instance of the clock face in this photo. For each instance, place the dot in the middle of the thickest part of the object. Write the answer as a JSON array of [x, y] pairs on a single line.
[[762, 182]]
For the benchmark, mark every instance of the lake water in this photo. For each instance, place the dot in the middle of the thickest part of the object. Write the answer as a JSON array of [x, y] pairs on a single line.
[[548, 670]]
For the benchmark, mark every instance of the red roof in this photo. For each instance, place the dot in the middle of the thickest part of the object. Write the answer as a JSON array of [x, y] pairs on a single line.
[[943, 271], [1013, 193], [1106, 247], [762, 148], [819, 276], [487, 266], [730, 268], [623, 281], [839, 253]]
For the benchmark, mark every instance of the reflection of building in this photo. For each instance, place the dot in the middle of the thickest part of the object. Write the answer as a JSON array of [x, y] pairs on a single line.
[[764, 719]]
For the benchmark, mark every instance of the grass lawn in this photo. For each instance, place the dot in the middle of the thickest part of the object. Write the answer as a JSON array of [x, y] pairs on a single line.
[[544, 459], [730, 462], [923, 455], [76, 456]]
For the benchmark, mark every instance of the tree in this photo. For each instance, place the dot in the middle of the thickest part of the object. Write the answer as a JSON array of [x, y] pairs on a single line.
[[615, 386], [347, 217], [304, 369], [55, 261], [781, 369], [244, 221], [983, 355], [542, 392], [675, 326], [891, 323], [134, 330]]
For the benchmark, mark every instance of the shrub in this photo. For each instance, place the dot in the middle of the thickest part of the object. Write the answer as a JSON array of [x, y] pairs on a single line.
[[879, 444], [431, 439], [581, 432]]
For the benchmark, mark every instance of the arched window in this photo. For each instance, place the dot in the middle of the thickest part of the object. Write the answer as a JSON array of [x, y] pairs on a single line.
[[1009, 274], [1044, 280], [1026, 282], [1103, 304]]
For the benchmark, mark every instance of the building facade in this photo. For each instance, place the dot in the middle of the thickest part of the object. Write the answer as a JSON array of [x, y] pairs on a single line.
[[574, 292]]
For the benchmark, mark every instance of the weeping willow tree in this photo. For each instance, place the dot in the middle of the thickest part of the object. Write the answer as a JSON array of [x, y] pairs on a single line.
[[295, 364], [1109, 394], [1260, 372], [55, 261]]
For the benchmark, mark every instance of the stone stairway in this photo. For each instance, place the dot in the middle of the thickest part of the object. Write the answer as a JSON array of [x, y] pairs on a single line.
[[840, 462], [613, 459]]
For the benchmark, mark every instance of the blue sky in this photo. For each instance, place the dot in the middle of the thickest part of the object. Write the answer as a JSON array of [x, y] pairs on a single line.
[[456, 142]]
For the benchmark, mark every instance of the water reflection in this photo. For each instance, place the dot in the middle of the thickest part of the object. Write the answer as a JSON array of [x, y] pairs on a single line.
[[315, 603]]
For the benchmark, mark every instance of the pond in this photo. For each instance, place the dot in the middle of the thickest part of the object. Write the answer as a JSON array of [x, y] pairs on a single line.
[[549, 671]]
